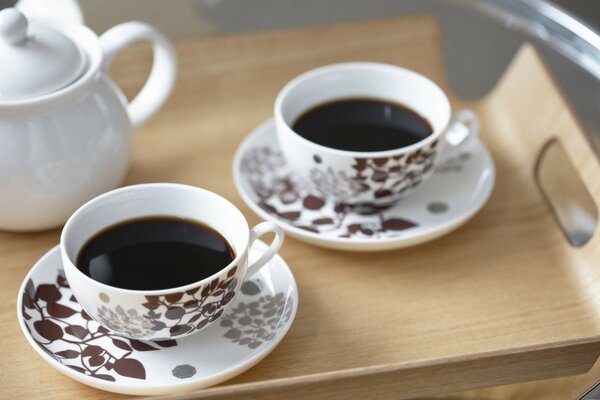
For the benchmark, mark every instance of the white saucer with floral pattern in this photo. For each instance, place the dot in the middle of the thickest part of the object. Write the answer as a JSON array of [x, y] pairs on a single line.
[[455, 192], [65, 336]]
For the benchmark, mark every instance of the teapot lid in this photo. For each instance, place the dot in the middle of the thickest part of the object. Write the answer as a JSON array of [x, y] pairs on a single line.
[[36, 60]]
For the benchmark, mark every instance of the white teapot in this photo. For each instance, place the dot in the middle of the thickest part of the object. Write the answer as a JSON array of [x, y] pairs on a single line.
[[65, 126]]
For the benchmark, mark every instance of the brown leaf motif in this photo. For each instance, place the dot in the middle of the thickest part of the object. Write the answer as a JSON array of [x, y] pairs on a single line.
[[30, 288], [59, 311], [323, 221], [382, 179], [165, 343], [142, 346], [396, 224], [173, 298], [185, 312], [92, 350], [78, 331], [313, 202], [72, 338], [48, 293], [67, 354], [290, 215], [264, 169], [151, 305], [121, 344], [178, 330], [48, 330], [130, 367], [96, 361]]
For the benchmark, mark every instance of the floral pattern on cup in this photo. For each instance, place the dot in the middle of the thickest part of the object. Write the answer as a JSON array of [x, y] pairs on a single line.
[[125, 321], [55, 318], [387, 178], [258, 321], [283, 194], [185, 312]]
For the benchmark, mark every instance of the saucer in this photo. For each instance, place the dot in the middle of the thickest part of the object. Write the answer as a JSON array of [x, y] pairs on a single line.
[[458, 188], [65, 336]]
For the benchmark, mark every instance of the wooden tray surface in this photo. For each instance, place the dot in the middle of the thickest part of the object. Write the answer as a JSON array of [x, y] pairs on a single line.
[[503, 299]]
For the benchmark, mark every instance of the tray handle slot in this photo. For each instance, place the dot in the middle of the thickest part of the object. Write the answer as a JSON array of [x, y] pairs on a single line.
[[565, 193], [579, 166], [531, 101]]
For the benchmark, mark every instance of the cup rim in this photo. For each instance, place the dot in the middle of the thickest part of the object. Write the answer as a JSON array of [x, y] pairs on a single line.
[[310, 74], [157, 292]]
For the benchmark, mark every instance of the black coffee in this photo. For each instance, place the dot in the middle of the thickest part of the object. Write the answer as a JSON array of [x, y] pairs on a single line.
[[154, 253], [362, 125]]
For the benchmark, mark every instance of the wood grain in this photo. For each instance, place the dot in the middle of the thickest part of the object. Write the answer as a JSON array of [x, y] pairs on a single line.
[[504, 299]]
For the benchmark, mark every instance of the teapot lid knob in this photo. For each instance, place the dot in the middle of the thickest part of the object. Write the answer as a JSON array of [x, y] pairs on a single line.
[[13, 26], [38, 57]]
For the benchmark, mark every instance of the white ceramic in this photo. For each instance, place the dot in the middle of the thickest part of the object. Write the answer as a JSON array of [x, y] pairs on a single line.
[[65, 127], [456, 191], [80, 348], [174, 312], [380, 177]]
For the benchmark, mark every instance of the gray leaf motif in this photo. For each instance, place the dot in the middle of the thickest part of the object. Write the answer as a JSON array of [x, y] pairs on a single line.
[[254, 323], [453, 164]]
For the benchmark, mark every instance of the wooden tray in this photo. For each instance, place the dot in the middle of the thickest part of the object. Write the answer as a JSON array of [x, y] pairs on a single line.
[[503, 299]]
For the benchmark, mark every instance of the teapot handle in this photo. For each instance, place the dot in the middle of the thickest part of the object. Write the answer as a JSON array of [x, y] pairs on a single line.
[[164, 68]]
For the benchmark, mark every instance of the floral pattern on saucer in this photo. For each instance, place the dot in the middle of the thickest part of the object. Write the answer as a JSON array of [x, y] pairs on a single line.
[[458, 187], [68, 338], [251, 324], [71, 337], [282, 194]]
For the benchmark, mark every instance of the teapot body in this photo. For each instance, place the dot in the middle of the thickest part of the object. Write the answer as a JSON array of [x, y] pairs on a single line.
[[60, 148], [53, 161]]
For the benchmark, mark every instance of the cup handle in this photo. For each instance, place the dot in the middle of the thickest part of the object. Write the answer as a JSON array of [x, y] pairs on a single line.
[[164, 67], [463, 128], [255, 233]]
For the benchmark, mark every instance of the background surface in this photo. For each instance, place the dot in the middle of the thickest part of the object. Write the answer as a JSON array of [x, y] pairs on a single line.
[[489, 48]]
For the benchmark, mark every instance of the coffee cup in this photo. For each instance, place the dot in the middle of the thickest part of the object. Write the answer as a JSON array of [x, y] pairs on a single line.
[[368, 177], [172, 312]]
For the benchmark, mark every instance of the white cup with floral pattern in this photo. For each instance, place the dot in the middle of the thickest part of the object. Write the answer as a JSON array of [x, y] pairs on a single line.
[[380, 177], [174, 312]]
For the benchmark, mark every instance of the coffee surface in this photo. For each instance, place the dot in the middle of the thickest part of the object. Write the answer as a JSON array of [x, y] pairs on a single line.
[[154, 253], [362, 125]]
